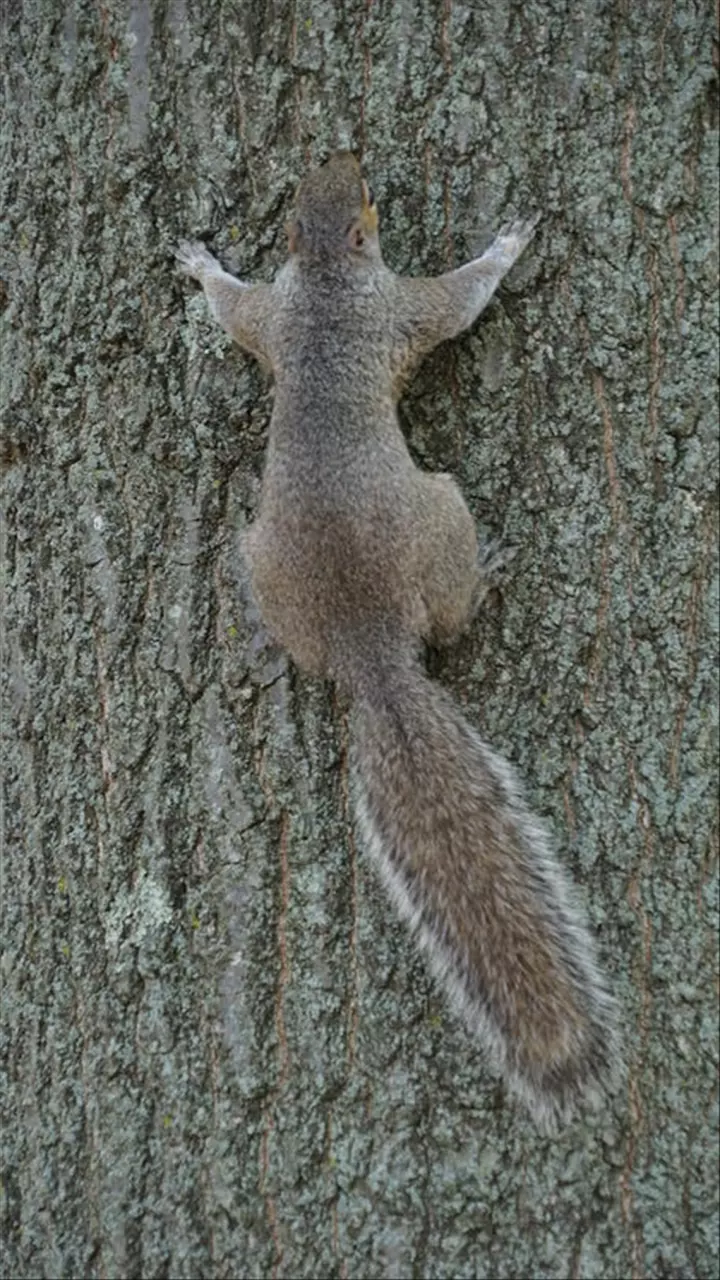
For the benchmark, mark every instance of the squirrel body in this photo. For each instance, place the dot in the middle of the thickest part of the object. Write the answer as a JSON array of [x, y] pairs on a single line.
[[356, 557]]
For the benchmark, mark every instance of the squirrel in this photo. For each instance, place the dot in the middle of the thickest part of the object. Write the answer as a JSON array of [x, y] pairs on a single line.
[[356, 557]]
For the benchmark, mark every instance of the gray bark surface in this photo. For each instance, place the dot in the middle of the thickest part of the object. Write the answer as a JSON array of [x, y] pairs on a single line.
[[221, 1054]]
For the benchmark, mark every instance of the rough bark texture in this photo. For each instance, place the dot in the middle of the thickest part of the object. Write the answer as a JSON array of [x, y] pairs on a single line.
[[220, 1052]]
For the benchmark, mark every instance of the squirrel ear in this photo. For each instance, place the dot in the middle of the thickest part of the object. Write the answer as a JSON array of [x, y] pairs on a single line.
[[356, 236], [295, 231]]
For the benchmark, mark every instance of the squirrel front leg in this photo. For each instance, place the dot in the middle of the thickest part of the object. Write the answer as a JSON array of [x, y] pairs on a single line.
[[431, 309], [243, 309]]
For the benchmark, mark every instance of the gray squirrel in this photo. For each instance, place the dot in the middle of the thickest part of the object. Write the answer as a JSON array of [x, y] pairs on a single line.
[[356, 557]]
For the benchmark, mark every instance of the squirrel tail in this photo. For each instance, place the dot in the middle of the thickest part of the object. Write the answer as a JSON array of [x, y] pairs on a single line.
[[471, 870]]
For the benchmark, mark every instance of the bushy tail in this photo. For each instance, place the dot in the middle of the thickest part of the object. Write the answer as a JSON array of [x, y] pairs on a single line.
[[471, 870]]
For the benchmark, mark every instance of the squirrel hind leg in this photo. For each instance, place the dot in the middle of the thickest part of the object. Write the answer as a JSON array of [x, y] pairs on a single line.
[[448, 559]]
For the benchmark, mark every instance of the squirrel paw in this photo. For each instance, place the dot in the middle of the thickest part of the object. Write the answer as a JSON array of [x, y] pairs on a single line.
[[493, 559], [195, 260], [515, 236]]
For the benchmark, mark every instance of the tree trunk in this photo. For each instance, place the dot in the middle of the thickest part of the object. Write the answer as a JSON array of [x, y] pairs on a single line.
[[222, 1055]]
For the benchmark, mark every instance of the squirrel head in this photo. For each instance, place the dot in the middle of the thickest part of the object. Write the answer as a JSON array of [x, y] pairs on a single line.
[[335, 214]]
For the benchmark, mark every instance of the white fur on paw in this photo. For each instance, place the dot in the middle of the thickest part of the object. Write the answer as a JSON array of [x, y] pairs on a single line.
[[515, 236], [194, 259]]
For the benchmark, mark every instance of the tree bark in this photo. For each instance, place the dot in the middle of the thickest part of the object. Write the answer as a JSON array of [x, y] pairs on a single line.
[[221, 1053]]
